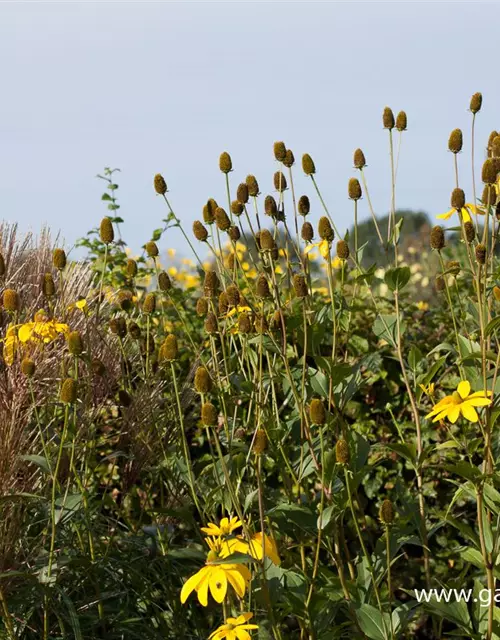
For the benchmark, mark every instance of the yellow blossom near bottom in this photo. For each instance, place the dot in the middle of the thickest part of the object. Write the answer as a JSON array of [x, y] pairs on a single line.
[[462, 401], [234, 628]]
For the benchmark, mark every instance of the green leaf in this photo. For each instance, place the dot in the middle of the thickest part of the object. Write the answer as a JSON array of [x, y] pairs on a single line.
[[371, 622], [396, 279], [492, 326], [385, 328], [40, 461]]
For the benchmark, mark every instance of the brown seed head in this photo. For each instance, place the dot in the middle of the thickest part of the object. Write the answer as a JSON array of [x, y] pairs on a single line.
[[453, 268], [270, 206], [455, 141], [244, 323], [233, 295], [98, 367], [202, 306], [386, 513], [234, 233], [48, 285], [209, 414], [266, 240], [253, 186], [209, 211], [325, 230], [470, 232], [59, 259], [317, 412], [75, 343], [359, 159], [289, 160], [149, 304], [134, 330], [493, 135], [276, 324], [388, 118], [106, 231], [223, 303], [457, 199], [307, 232], [131, 268], [354, 189], [260, 324], [495, 147], [2, 266], [475, 102], [202, 380], [480, 253], [210, 323], [489, 196], [200, 231], [308, 165], [236, 208], [69, 391], [303, 205], [437, 238], [242, 194], [221, 219], [152, 249], [160, 184], [225, 162], [170, 348], [279, 181], [300, 285], [262, 287], [28, 367], [210, 284], [489, 172], [260, 442], [343, 250], [439, 283], [118, 326], [279, 151], [164, 282], [125, 301], [342, 452], [401, 121]]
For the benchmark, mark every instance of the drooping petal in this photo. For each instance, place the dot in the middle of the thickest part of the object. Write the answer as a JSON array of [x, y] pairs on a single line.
[[241, 619], [191, 584], [241, 634], [478, 402], [218, 584], [202, 589], [465, 215], [447, 215], [237, 581], [453, 413], [25, 331], [463, 389], [468, 411]]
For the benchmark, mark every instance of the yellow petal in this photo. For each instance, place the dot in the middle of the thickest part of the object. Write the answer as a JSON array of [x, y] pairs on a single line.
[[218, 585], [447, 215], [237, 582], [465, 215], [453, 413], [324, 249], [25, 332], [191, 584], [463, 389], [468, 412], [478, 402]]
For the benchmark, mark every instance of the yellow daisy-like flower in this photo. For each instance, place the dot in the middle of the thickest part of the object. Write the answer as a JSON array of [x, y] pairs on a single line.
[[422, 305], [216, 577], [427, 389], [234, 628], [323, 247], [171, 252], [465, 211], [259, 545], [239, 309], [225, 527], [462, 401]]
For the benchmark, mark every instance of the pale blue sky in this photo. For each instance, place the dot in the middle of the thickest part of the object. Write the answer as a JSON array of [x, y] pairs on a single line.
[[160, 87]]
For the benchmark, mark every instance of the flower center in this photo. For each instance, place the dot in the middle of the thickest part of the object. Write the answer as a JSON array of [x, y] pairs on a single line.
[[457, 398], [212, 556]]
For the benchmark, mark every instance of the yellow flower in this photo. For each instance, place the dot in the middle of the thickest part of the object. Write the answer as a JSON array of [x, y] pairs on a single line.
[[216, 577], [173, 271], [422, 306], [234, 628], [337, 262], [466, 210], [10, 345], [224, 528], [81, 304], [245, 266], [259, 545], [462, 401], [171, 252], [427, 389], [278, 270], [323, 246], [236, 310]]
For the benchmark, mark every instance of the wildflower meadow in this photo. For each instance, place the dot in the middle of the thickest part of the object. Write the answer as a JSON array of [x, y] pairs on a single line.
[[280, 431]]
